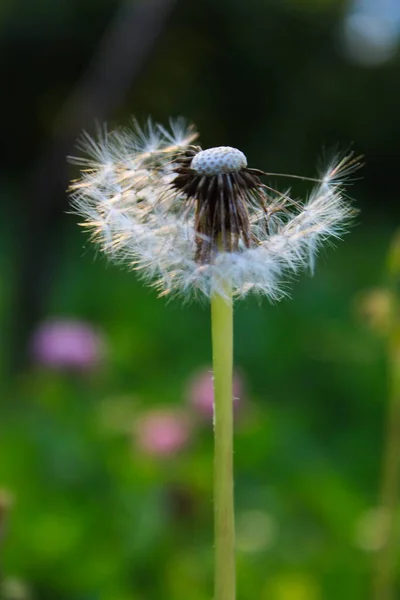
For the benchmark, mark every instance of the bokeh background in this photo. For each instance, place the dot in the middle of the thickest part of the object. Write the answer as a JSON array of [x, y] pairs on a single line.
[[105, 426]]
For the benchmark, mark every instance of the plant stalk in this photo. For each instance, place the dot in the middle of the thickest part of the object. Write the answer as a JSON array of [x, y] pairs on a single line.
[[224, 521]]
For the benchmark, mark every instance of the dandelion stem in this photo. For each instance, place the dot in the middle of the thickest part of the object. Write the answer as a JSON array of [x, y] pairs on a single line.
[[224, 524]]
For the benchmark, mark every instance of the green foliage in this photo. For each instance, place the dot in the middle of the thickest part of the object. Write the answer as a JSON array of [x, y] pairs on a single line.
[[95, 518]]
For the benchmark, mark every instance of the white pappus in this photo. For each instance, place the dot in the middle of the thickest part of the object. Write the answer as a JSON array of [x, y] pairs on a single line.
[[190, 219]]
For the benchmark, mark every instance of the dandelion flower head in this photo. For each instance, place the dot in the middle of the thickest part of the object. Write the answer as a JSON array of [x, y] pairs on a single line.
[[190, 219]]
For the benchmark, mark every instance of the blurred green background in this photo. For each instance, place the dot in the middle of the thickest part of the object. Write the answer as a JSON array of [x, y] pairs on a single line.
[[105, 439]]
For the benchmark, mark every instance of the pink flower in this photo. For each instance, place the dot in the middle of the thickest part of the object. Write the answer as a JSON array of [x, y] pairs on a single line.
[[200, 392], [67, 344], [162, 432]]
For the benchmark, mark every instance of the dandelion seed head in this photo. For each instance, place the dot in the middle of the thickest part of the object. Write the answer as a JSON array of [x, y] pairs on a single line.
[[218, 161], [187, 219]]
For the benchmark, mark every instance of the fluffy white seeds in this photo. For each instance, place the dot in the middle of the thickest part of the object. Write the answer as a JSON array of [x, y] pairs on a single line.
[[137, 216], [220, 160]]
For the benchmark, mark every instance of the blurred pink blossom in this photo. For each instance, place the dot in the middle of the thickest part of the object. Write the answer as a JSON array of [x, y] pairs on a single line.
[[162, 432], [67, 344], [200, 392]]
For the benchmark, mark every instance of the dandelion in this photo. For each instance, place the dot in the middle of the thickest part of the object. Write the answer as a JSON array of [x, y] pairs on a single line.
[[190, 219], [204, 223]]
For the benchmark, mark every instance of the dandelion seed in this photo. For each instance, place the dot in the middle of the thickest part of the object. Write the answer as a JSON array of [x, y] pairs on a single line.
[[188, 218]]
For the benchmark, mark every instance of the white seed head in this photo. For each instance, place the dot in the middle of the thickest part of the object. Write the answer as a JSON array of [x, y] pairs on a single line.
[[138, 218], [217, 161]]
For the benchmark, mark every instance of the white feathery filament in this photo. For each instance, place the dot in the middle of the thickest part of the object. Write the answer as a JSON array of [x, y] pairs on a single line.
[[144, 195]]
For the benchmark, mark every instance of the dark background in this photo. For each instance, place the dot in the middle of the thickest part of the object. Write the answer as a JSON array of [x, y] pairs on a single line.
[[93, 517]]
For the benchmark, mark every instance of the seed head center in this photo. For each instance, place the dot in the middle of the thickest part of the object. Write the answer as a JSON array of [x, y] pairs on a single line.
[[218, 161]]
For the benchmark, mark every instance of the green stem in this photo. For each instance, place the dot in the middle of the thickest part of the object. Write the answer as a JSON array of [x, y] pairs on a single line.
[[224, 521]]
